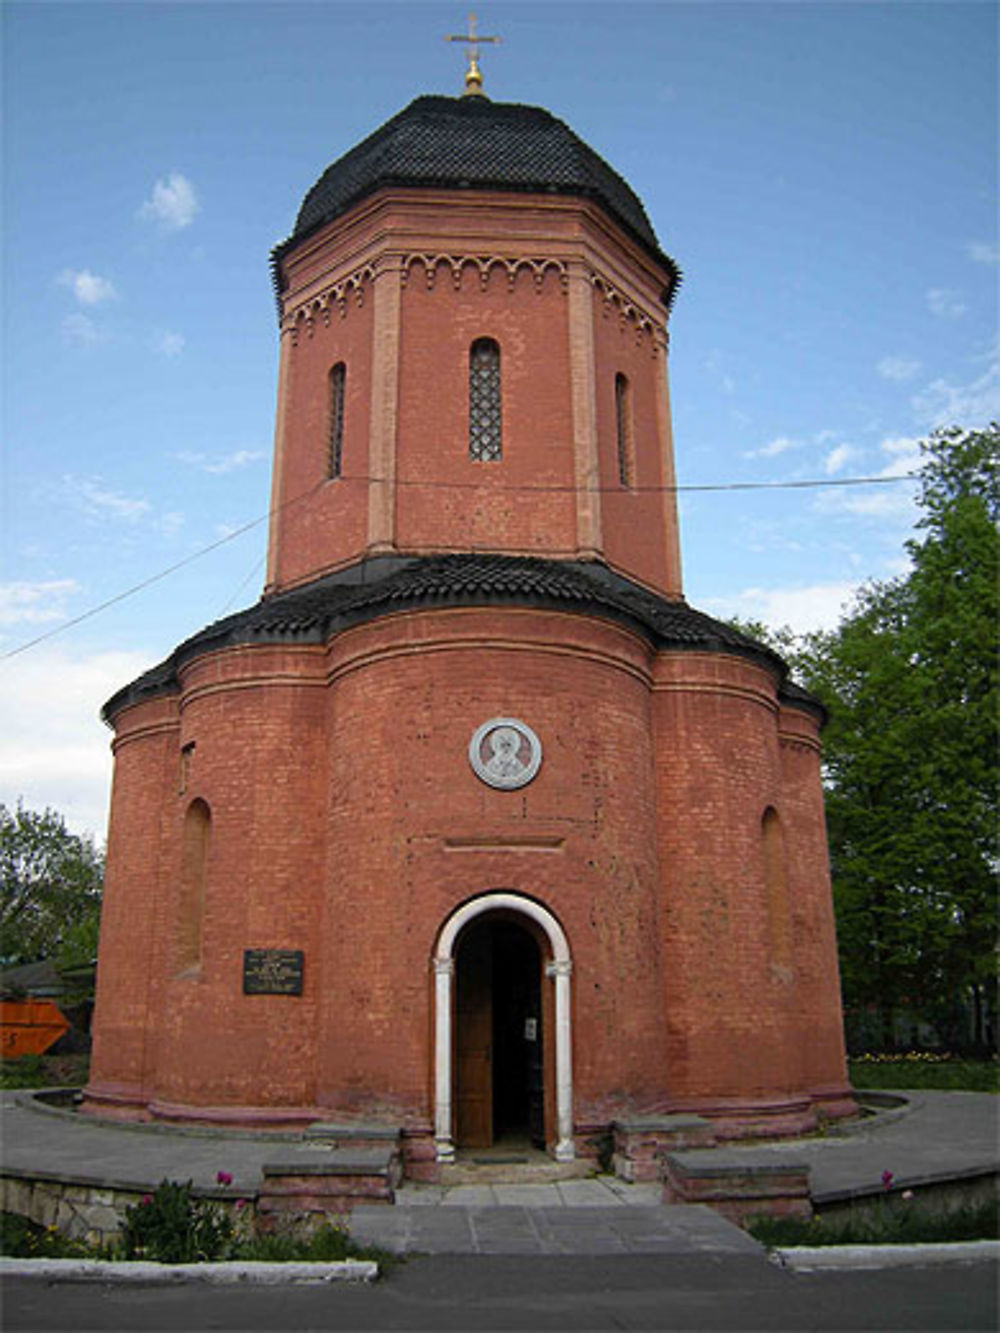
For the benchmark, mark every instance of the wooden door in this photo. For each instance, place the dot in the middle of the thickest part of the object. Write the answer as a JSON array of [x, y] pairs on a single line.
[[474, 1042]]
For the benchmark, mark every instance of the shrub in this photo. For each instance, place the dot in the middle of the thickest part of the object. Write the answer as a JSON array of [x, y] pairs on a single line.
[[23, 1072], [171, 1226], [23, 1239]]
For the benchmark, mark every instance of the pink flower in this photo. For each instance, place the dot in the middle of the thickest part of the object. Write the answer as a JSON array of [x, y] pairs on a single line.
[[146, 1200], [241, 1204], [223, 1178], [887, 1179]]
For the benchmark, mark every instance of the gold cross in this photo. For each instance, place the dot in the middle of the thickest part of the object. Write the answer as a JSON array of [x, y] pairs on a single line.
[[473, 77]]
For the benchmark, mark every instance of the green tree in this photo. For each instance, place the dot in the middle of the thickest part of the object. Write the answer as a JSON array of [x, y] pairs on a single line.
[[50, 887], [910, 680]]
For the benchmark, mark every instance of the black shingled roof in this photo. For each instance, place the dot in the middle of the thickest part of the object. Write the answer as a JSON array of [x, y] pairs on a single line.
[[318, 611], [472, 143]]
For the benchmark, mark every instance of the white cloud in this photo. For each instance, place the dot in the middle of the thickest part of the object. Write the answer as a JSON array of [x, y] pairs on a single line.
[[169, 344], [882, 501], [810, 607], [838, 457], [81, 329], [100, 502], [88, 288], [774, 448], [944, 403], [897, 368], [218, 467], [982, 252], [170, 523], [54, 750], [35, 603], [945, 303], [173, 203]]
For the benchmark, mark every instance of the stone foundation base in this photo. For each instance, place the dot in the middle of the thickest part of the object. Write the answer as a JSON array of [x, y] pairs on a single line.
[[640, 1144], [770, 1117], [738, 1190]]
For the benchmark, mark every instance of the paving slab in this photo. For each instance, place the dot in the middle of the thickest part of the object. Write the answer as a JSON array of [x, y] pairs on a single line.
[[508, 1229], [939, 1136]]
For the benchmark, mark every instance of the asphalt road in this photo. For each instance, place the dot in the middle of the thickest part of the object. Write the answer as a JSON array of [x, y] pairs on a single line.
[[573, 1293]]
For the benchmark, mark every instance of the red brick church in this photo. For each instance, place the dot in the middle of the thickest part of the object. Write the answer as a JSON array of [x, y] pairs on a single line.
[[471, 827]]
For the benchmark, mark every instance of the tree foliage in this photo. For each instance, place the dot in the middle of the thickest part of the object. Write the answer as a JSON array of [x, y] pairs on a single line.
[[50, 888], [910, 753]]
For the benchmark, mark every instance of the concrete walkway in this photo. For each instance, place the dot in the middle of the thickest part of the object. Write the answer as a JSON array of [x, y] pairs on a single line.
[[935, 1137]]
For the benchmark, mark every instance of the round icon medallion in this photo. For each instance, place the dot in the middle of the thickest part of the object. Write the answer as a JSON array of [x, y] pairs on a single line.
[[505, 753]]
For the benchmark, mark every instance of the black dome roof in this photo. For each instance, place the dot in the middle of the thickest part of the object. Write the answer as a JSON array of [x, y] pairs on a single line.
[[471, 143], [384, 585]]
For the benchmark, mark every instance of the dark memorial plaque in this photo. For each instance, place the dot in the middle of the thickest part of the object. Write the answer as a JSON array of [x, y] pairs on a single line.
[[272, 971]]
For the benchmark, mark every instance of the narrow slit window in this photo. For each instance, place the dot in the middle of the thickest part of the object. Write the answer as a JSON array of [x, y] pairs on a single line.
[[485, 428], [335, 460], [623, 424], [776, 887], [194, 871]]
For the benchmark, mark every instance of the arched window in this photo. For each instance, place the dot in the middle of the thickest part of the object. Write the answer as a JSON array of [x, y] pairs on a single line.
[[485, 431], [623, 426], [776, 887], [335, 455], [194, 872]]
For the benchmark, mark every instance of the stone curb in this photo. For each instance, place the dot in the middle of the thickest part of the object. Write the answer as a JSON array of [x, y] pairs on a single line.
[[810, 1259], [228, 1274]]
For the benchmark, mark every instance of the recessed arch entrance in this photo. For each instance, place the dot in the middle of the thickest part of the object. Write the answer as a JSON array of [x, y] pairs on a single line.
[[488, 926]]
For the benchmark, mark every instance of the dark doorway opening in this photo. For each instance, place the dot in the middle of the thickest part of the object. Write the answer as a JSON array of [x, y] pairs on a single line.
[[500, 1065]]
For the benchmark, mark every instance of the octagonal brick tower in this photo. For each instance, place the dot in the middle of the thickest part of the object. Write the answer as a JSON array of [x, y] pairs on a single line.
[[463, 220], [471, 828]]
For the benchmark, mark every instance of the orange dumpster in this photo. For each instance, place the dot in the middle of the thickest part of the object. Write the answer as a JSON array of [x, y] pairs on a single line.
[[29, 1027]]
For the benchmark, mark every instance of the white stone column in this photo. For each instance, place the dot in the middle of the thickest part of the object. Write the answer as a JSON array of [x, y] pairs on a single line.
[[444, 970], [565, 1150]]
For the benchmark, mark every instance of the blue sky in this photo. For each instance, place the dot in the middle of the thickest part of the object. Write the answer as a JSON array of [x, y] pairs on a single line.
[[825, 175]]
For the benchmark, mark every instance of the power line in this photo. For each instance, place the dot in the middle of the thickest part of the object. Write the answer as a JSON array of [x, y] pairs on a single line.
[[445, 485], [635, 490], [129, 592], [155, 578]]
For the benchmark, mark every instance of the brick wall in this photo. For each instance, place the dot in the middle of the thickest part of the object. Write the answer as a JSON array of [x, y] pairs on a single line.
[[347, 822]]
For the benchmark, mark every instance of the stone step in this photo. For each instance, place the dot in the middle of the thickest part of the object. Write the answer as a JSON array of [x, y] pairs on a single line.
[[533, 1168]]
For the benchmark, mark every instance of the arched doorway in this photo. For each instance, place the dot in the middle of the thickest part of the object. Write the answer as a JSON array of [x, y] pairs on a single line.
[[508, 928], [499, 1035]]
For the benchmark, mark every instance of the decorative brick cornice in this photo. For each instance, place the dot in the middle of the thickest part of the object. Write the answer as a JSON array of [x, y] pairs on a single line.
[[484, 264], [351, 289], [336, 296], [629, 312]]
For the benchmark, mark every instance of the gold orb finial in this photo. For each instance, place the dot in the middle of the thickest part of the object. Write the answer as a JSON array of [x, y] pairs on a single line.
[[473, 75]]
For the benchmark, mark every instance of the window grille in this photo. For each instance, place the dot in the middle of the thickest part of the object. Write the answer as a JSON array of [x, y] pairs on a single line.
[[338, 377], [623, 421], [485, 434]]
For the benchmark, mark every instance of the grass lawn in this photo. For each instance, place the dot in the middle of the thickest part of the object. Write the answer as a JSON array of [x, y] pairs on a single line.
[[921, 1069], [895, 1224]]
